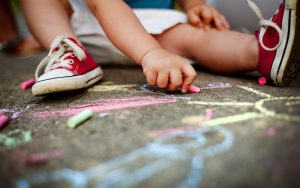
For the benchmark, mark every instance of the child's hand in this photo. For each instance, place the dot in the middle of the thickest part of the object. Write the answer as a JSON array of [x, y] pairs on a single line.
[[167, 70], [206, 16]]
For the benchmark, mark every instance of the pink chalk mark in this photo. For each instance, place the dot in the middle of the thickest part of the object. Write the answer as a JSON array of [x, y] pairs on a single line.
[[209, 114], [107, 105], [23, 156], [168, 131], [4, 119], [271, 132], [27, 84], [40, 158]]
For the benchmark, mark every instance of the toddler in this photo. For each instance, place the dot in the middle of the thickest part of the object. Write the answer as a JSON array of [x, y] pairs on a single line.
[[160, 39]]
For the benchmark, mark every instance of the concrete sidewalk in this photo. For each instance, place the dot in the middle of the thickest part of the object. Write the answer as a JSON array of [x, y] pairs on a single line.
[[234, 133]]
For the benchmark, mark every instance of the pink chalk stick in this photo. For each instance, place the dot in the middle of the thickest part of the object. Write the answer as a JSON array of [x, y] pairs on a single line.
[[27, 84], [4, 119], [262, 81], [193, 89]]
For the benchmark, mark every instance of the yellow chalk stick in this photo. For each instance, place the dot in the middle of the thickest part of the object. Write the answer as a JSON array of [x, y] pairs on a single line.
[[76, 120]]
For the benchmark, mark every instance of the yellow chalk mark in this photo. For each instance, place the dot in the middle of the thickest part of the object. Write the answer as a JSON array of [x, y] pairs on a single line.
[[287, 117], [292, 103], [106, 88], [259, 106], [233, 119], [221, 103], [255, 91], [263, 110], [194, 120]]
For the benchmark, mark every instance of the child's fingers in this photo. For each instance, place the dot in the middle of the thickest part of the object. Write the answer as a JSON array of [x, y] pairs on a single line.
[[225, 22], [194, 19], [189, 75], [175, 80], [151, 77], [206, 16], [162, 79], [218, 22]]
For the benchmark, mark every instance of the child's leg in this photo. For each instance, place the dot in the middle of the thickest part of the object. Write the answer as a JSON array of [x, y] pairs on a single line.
[[48, 19], [10, 31], [225, 51], [275, 53], [68, 65]]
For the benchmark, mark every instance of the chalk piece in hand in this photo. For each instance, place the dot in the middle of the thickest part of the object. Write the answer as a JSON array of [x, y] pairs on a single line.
[[27, 84], [194, 89], [76, 120], [262, 81], [3, 119]]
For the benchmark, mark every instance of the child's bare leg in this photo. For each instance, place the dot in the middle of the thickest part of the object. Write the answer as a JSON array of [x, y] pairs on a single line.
[[48, 19], [225, 51], [10, 31]]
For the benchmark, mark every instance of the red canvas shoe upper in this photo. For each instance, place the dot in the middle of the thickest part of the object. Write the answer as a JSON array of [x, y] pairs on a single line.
[[67, 55], [269, 41]]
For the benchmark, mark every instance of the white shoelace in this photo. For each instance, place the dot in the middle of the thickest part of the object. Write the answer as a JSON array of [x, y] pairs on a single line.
[[265, 24], [57, 58]]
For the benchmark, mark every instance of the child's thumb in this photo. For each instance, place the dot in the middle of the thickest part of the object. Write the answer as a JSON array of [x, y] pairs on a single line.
[[189, 76]]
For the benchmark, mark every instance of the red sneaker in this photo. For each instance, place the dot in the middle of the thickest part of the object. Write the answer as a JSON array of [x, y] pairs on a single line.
[[67, 67], [279, 43]]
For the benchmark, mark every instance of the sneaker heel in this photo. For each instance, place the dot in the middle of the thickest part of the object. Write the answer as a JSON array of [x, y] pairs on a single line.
[[291, 4], [293, 69]]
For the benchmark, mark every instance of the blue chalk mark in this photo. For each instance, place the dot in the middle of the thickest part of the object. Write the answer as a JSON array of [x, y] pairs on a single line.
[[140, 175], [194, 176], [75, 178], [158, 155]]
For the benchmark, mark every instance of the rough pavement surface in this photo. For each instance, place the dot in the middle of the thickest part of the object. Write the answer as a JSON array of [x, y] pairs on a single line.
[[234, 133]]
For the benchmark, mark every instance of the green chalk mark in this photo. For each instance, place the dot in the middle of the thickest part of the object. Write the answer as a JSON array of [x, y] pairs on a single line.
[[14, 139], [76, 120]]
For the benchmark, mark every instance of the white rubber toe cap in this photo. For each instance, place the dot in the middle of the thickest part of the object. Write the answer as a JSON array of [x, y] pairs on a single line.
[[56, 73]]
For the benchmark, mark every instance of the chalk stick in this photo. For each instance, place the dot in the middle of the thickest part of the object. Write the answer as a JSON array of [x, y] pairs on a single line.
[[27, 84], [4, 119], [76, 120], [193, 89], [262, 81]]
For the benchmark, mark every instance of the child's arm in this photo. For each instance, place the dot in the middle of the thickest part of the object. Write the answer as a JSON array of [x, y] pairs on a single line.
[[161, 68], [202, 15]]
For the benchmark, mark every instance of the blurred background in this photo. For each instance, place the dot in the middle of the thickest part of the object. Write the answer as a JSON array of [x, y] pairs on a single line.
[[239, 14], [15, 38]]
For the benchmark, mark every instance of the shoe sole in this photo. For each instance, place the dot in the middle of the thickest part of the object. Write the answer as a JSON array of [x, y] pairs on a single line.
[[67, 83], [284, 72]]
